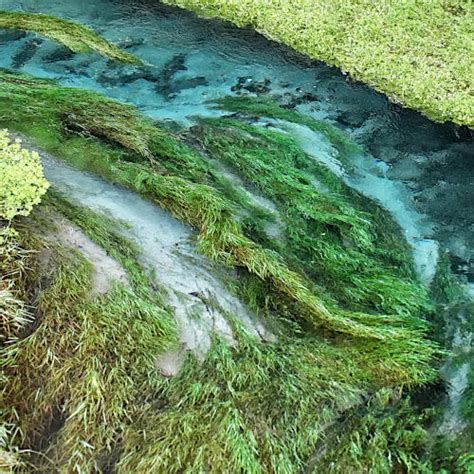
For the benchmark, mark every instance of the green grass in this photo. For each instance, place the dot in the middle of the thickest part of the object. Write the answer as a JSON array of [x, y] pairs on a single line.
[[416, 53], [388, 438], [335, 241], [159, 165], [76, 37], [256, 407]]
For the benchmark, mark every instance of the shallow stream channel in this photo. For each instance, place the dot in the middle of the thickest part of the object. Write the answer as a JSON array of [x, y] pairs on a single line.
[[421, 172]]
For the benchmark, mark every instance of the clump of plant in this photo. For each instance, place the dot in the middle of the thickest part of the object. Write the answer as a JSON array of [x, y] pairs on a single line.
[[179, 179], [258, 107], [22, 182], [389, 437], [255, 406], [76, 37]]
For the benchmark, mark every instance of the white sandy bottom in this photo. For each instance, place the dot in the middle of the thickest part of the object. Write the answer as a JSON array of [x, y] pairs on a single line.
[[105, 270], [201, 302]]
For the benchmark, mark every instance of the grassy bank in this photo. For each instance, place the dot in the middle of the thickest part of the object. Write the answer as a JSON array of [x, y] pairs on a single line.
[[418, 53]]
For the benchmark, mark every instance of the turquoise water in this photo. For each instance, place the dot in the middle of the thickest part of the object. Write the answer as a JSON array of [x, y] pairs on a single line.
[[193, 60], [422, 172]]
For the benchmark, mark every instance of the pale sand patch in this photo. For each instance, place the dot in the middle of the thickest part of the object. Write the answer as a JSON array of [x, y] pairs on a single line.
[[106, 270]]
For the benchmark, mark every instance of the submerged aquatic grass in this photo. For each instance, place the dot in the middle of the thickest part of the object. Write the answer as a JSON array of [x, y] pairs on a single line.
[[85, 346], [180, 180], [258, 107], [256, 407], [334, 239], [76, 37]]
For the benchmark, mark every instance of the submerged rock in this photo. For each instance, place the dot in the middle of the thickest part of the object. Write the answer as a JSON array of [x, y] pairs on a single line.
[[61, 53], [11, 35], [168, 86], [26, 53], [249, 84], [122, 77], [133, 42]]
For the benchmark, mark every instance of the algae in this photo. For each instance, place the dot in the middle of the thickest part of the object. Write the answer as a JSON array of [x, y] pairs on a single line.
[[76, 37]]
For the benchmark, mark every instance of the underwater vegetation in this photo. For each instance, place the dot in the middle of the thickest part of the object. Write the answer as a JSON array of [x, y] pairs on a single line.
[[76, 37], [419, 54], [341, 384], [180, 180], [347, 309]]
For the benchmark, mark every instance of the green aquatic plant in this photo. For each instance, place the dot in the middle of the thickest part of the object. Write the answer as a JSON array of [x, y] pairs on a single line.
[[76, 37], [429, 69], [86, 346], [258, 107], [390, 437], [335, 242], [176, 177], [180, 180], [466, 463], [257, 406], [254, 408]]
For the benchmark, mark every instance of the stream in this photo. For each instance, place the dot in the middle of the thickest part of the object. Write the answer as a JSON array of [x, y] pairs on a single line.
[[422, 172]]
